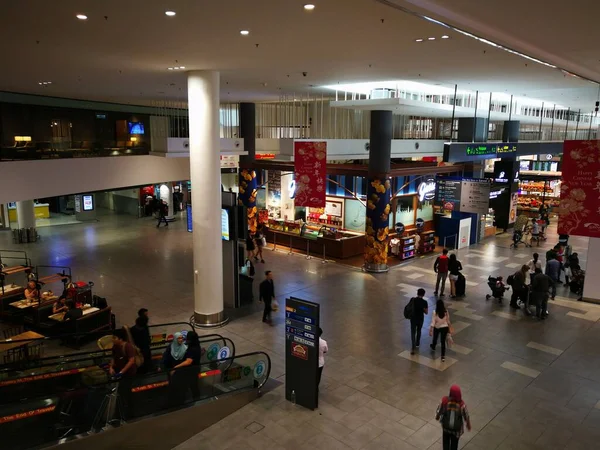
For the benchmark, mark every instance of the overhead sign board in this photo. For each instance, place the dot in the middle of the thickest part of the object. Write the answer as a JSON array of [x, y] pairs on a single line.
[[477, 151], [470, 195]]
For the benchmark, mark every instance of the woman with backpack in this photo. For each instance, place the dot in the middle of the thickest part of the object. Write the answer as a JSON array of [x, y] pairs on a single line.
[[452, 414]]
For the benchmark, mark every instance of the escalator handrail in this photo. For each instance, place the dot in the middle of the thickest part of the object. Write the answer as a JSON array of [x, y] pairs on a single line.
[[93, 333], [61, 359], [137, 377]]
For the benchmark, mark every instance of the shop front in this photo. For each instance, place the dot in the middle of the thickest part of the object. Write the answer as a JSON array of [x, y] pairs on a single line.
[[338, 229]]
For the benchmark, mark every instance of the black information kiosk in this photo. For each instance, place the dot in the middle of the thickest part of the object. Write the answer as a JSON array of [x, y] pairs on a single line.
[[302, 352]]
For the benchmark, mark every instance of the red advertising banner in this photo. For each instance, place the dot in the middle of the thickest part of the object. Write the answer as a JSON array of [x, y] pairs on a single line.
[[310, 167], [579, 210]]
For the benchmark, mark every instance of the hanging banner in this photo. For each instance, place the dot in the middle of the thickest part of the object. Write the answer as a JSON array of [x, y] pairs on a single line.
[[310, 166], [579, 210], [379, 197], [247, 196]]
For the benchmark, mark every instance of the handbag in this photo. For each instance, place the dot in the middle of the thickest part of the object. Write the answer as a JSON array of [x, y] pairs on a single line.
[[274, 305], [449, 341], [263, 241]]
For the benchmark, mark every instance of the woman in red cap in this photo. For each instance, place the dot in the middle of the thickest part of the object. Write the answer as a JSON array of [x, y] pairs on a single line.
[[452, 414]]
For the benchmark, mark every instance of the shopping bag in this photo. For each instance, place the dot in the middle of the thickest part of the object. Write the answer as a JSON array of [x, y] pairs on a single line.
[[275, 305], [449, 341]]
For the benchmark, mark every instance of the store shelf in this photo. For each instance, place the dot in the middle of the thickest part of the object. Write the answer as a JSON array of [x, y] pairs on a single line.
[[427, 244]]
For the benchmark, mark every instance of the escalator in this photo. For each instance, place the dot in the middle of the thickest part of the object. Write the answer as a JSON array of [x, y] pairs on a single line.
[[61, 398]]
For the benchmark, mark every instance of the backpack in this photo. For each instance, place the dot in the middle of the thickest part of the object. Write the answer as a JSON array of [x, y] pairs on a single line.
[[510, 279], [409, 309], [452, 419], [139, 358]]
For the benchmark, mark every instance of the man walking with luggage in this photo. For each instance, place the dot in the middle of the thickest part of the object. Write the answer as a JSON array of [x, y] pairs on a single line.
[[417, 309], [441, 268]]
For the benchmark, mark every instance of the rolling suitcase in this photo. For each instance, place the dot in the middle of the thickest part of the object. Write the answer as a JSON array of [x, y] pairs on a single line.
[[461, 284]]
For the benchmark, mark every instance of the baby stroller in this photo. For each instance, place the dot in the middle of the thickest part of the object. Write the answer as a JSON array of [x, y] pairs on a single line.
[[576, 282], [497, 292], [518, 239]]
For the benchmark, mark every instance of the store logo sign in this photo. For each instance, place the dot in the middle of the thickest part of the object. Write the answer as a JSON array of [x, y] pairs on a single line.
[[426, 190], [292, 189]]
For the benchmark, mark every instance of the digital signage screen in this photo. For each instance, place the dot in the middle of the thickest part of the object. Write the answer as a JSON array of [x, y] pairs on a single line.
[[224, 225], [88, 202]]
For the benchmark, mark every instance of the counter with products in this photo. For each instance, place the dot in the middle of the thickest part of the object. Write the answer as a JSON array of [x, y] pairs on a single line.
[[313, 239], [532, 194]]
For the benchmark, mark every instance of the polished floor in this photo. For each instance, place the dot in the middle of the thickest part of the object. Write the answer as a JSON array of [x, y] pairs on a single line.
[[528, 384]]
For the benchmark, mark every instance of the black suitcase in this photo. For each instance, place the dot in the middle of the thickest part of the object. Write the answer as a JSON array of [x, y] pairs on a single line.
[[461, 285]]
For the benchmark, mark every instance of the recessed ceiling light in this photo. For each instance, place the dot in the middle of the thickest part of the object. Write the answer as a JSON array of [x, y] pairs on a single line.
[[244, 32], [81, 16], [418, 40], [309, 7], [176, 67], [170, 13], [170, 68], [431, 39], [445, 36], [182, 67]]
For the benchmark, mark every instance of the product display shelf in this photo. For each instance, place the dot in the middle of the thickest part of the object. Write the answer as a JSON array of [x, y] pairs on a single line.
[[427, 244], [407, 247]]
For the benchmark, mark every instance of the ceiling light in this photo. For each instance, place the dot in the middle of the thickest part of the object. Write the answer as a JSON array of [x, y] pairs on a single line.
[[170, 68], [431, 39], [81, 16], [445, 36], [418, 40], [309, 7], [176, 67], [170, 13], [244, 32], [182, 67]]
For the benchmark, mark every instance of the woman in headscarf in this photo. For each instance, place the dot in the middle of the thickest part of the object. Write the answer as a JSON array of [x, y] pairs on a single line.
[[175, 353], [452, 414]]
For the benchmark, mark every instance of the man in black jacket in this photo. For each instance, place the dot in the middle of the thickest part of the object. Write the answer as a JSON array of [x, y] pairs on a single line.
[[266, 295]]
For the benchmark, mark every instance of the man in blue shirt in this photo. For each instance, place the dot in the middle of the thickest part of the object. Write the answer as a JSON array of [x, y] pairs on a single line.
[[553, 271]]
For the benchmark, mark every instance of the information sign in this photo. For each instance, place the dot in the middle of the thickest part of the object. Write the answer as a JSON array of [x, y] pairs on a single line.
[[470, 195], [301, 352]]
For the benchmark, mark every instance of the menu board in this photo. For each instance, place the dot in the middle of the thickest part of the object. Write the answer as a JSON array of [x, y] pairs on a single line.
[[333, 208], [301, 352], [475, 196], [470, 195]]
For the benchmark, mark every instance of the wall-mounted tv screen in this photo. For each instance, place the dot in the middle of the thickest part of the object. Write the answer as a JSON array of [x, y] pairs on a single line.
[[136, 128]]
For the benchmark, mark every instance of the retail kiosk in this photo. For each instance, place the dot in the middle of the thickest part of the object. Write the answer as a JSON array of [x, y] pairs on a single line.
[[338, 229]]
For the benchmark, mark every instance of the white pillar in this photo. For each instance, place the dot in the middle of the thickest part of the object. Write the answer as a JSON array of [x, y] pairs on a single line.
[[26, 214], [205, 169], [591, 287]]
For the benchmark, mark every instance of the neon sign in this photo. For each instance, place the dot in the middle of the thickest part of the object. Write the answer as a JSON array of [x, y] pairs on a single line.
[[426, 190]]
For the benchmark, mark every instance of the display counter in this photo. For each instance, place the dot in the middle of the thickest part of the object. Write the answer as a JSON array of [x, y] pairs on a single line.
[[342, 244], [42, 211]]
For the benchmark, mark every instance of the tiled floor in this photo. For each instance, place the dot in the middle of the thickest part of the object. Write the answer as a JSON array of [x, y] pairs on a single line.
[[528, 384]]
